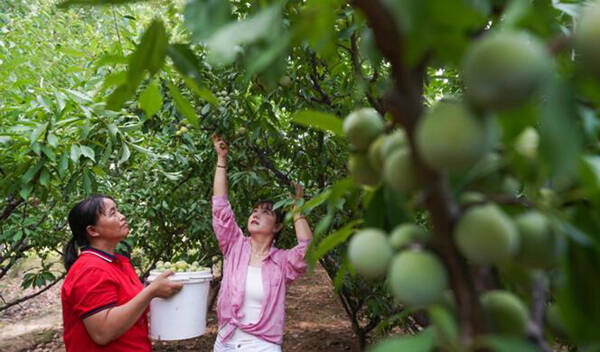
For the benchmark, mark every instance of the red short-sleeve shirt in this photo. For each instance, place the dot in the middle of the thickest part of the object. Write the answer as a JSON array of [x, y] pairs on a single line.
[[98, 281]]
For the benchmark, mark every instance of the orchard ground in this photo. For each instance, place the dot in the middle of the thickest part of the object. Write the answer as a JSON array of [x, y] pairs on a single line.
[[315, 320]]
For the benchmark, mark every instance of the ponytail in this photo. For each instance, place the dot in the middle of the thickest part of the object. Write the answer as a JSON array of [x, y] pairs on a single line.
[[82, 215], [70, 254]]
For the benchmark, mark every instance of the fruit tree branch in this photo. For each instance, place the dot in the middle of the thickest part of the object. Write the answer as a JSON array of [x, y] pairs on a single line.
[[405, 103], [23, 299]]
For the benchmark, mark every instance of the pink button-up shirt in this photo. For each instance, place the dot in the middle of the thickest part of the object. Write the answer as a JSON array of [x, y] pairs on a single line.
[[279, 268]]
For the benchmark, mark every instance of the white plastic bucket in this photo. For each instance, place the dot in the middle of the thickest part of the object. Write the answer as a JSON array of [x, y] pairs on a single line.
[[182, 316]]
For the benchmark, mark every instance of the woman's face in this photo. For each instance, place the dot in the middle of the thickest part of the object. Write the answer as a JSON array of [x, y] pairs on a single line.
[[111, 224], [263, 220]]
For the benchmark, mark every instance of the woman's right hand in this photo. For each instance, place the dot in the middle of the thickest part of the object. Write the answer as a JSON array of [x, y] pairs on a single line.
[[220, 146], [163, 287]]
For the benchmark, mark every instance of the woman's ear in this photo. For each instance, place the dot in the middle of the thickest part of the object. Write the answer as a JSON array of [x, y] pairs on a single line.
[[91, 230]]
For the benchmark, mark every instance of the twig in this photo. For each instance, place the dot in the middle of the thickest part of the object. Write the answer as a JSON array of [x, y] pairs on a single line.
[[267, 163], [10, 207], [354, 58], [535, 328], [23, 299]]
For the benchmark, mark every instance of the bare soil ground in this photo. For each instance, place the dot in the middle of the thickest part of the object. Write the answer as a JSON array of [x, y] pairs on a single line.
[[315, 321]]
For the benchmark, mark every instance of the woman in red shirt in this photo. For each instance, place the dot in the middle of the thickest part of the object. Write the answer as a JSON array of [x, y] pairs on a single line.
[[104, 303]]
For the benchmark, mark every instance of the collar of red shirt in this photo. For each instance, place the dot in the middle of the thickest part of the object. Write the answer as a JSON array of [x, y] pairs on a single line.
[[99, 253]]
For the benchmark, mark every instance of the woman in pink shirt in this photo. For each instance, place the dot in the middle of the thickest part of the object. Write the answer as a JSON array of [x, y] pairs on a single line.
[[251, 302]]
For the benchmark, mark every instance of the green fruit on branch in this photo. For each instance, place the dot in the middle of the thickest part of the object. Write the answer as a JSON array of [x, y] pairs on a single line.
[[384, 145], [587, 34], [486, 235], [450, 137], [375, 153], [527, 142], [285, 81], [540, 244], [505, 312], [370, 253], [406, 234], [241, 131], [361, 170], [417, 278], [511, 185], [471, 197], [362, 127], [393, 141], [502, 70], [399, 171]]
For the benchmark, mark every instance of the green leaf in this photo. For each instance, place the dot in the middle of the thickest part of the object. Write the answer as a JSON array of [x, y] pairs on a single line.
[[225, 44], [37, 132], [150, 53], [144, 150], [75, 153], [87, 182], [338, 281], [508, 344], [183, 105], [423, 342], [25, 191], [335, 239], [32, 171], [37, 148], [114, 79], [118, 97], [590, 172], [315, 201], [204, 17], [184, 60], [265, 59], [49, 153], [52, 140], [63, 165], [560, 141], [79, 97], [151, 99], [69, 3], [44, 177], [316, 26], [87, 152], [125, 154], [323, 224], [578, 298], [202, 93], [112, 130], [319, 120], [444, 323]]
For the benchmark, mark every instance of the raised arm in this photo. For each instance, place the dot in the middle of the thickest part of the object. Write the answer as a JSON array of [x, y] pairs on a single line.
[[303, 231], [220, 181], [224, 225], [296, 263]]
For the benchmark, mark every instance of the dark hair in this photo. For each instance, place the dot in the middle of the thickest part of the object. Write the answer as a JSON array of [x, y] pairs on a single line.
[[279, 216], [82, 215]]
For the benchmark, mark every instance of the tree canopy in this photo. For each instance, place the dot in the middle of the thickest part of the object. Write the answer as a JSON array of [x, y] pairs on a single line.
[[454, 141]]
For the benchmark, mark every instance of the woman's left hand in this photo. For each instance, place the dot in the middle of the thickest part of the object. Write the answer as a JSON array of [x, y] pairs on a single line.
[[299, 191]]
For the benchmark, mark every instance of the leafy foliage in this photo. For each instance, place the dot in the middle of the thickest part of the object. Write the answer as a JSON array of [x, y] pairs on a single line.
[[124, 99]]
